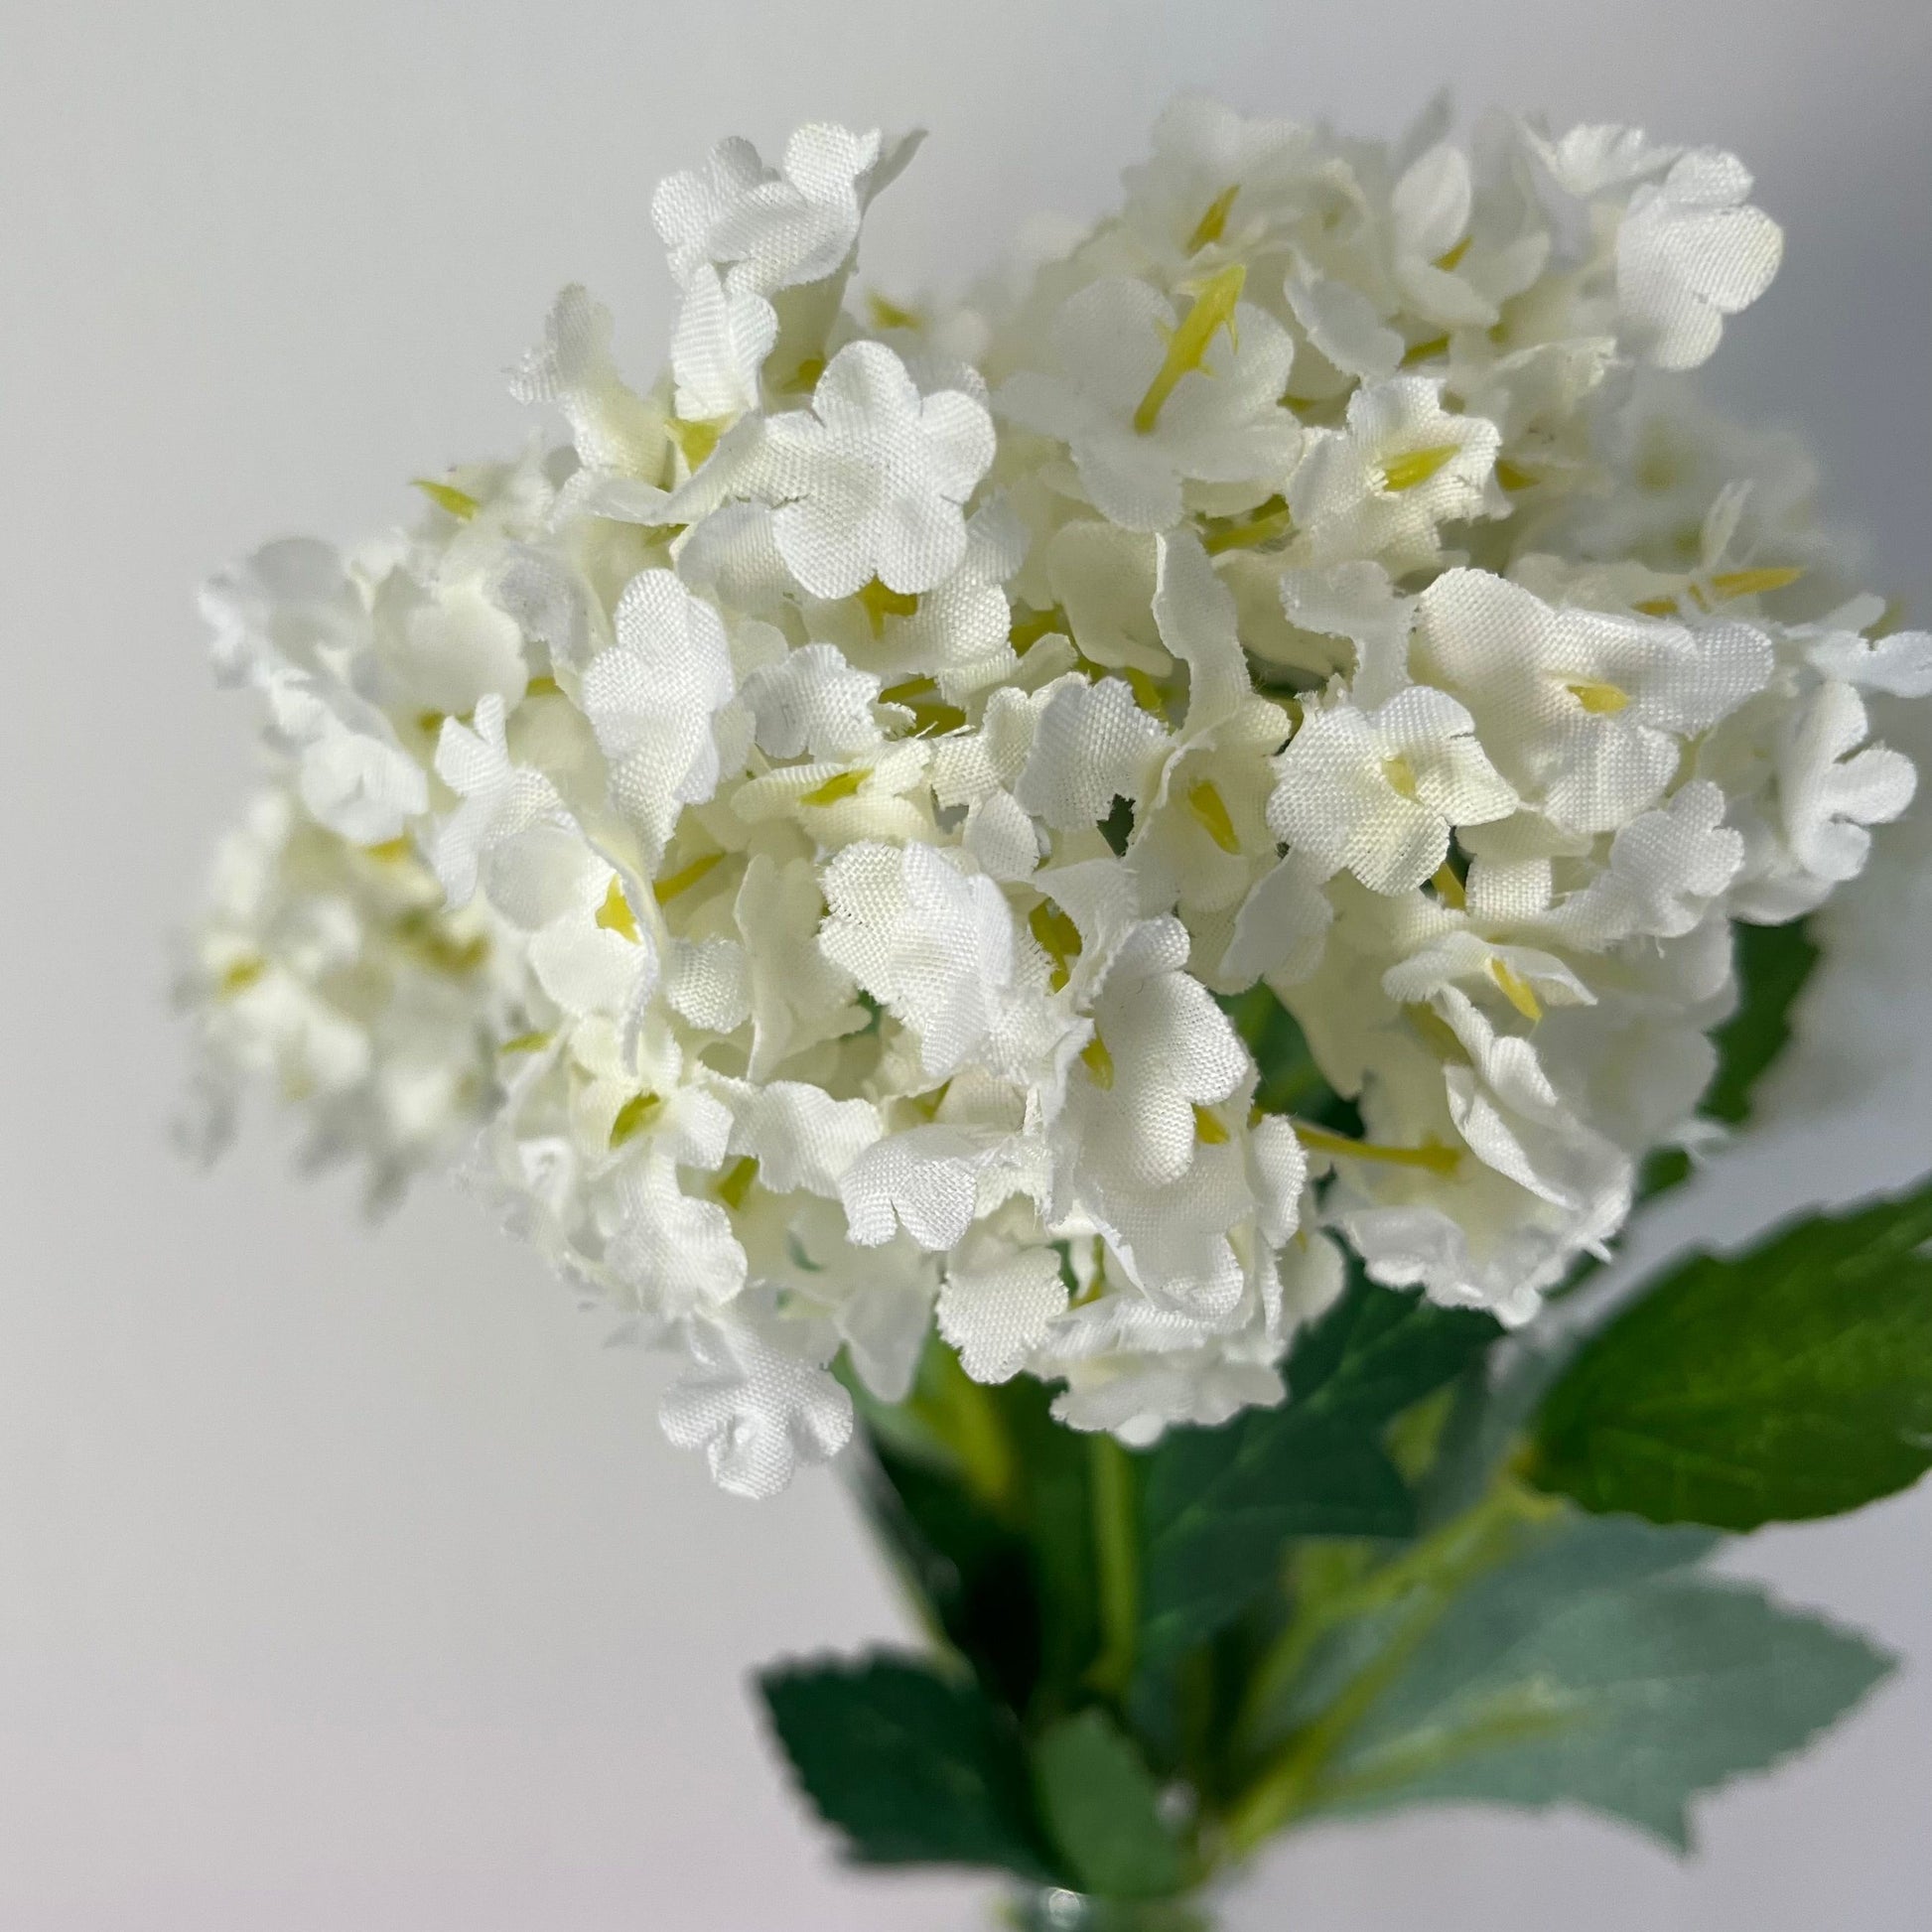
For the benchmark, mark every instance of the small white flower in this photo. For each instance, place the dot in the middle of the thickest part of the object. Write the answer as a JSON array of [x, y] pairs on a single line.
[[1213, 180], [801, 1137], [871, 482], [1144, 406], [444, 647], [291, 605], [998, 1303], [613, 429], [1829, 792], [1667, 869], [1690, 253], [938, 949], [1430, 210], [1093, 744], [756, 1410], [774, 230], [500, 800], [1343, 324], [812, 703], [1583, 712], [669, 1253], [799, 998], [1380, 791], [351, 772], [653, 699], [1899, 664], [1403, 467], [1359, 601], [720, 345]]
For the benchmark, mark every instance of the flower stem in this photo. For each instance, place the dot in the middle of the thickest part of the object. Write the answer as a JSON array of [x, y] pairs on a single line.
[[1426, 1580]]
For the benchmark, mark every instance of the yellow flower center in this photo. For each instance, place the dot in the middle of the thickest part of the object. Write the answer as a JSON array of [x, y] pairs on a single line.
[[1414, 466], [616, 915], [1188, 344]]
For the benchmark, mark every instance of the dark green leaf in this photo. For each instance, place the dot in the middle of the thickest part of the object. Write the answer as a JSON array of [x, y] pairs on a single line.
[[973, 1572], [1592, 1669], [1219, 1504], [1789, 1382], [912, 1767], [1773, 964], [984, 1500], [1378, 1349], [1100, 1805]]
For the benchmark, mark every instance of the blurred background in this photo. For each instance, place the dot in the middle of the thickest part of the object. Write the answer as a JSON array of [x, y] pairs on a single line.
[[348, 1582]]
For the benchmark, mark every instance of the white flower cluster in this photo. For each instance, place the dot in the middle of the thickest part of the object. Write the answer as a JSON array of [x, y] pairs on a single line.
[[794, 839]]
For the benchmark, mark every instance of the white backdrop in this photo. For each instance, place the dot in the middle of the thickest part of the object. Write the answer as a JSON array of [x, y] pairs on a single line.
[[348, 1584]]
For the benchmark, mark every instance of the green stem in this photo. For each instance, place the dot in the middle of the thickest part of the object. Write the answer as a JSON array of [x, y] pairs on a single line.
[[1116, 1562], [1431, 1573]]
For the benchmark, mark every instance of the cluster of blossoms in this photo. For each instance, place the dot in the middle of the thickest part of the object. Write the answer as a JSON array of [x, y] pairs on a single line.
[[793, 842]]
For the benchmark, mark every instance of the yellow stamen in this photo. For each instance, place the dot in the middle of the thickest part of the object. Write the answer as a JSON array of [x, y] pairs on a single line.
[[805, 376], [1414, 466], [1099, 1062], [525, 1044], [1656, 607], [616, 915], [1401, 776], [1215, 223], [929, 1104], [634, 1116], [543, 686], [429, 723], [459, 502], [1431, 1155], [1448, 887], [1511, 477], [1516, 990], [1187, 346], [888, 314], [695, 441], [1450, 262], [390, 852], [1208, 1129], [672, 883], [880, 603], [1599, 700], [1424, 352], [1059, 939], [1262, 526], [841, 784], [735, 1183], [1754, 583], [1147, 694], [242, 976], [1210, 808]]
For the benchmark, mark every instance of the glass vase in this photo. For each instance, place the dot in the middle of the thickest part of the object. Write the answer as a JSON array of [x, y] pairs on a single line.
[[1054, 1909]]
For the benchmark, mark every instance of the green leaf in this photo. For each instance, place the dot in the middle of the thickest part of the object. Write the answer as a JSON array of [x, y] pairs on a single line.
[[972, 1572], [1790, 1382], [1773, 964], [1101, 1807], [1592, 1669], [912, 1767], [1219, 1504]]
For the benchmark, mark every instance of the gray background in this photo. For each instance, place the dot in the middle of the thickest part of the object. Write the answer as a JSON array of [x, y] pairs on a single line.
[[346, 1582]]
